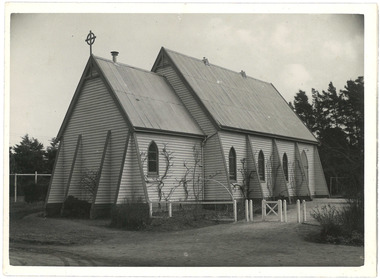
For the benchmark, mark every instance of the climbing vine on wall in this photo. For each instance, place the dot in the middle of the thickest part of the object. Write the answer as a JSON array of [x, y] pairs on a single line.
[[158, 181]]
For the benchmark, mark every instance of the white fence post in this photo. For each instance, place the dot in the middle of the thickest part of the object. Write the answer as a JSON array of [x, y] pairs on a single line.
[[304, 210], [285, 211], [150, 209], [251, 210], [246, 211], [298, 211], [35, 177], [263, 210], [235, 211], [170, 210], [15, 187], [280, 210]]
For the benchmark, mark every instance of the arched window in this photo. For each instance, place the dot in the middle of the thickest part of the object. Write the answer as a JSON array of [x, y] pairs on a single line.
[[153, 159], [285, 166], [232, 164], [261, 166]]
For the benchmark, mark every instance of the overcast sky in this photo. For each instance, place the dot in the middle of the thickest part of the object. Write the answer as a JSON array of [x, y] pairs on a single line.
[[48, 53]]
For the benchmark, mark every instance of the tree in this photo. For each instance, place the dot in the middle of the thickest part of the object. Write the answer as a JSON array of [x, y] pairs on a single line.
[[51, 153], [28, 156], [320, 112], [352, 110], [12, 161], [304, 109], [338, 123]]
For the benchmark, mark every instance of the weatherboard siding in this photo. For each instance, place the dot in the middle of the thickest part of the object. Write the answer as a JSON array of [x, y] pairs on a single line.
[[280, 188], [216, 174], [182, 152], [239, 143], [264, 144], [321, 188], [95, 113], [187, 99], [287, 147], [309, 151], [105, 194], [131, 185], [56, 190], [75, 171], [255, 189]]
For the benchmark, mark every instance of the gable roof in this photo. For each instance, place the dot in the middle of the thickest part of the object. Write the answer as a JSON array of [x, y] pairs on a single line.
[[148, 99], [145, 99], [240, 103]]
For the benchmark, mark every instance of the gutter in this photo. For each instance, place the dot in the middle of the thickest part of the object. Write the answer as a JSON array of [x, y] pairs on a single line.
[[231, 129]]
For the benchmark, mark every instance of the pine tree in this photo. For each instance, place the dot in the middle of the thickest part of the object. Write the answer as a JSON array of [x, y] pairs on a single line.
[[304, 109], [28, 156]]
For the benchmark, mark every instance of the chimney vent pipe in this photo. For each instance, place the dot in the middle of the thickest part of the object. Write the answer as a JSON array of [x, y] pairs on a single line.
[[205, 60], [114, 56]]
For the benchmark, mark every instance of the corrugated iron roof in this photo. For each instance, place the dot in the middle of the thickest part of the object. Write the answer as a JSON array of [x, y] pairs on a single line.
[[239, 102], [147, 99]]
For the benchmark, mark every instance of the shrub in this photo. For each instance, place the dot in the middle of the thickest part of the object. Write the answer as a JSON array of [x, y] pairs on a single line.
[[329, 218], [75, 208], [34, 192], [343, 226], [353, 216], [130, 216]]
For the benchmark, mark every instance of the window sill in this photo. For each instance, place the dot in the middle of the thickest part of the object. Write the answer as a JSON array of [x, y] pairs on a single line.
[[152, 175]]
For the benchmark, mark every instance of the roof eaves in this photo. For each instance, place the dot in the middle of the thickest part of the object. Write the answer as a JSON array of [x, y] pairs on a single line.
[[167, 132]]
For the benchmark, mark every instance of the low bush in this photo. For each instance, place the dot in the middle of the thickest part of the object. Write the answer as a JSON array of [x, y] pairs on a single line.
[[75, 208], [35, 192], [341, 226], [130, 216]]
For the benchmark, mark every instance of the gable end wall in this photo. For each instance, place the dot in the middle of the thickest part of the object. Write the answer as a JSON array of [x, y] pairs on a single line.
[[94, 113]]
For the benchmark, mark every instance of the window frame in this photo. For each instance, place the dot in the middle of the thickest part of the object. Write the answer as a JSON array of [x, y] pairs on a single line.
[[156, 159], [232, 177], [261, 166]]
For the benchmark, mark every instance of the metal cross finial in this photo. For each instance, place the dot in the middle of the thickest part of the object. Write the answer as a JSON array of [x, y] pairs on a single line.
[[90, 40]]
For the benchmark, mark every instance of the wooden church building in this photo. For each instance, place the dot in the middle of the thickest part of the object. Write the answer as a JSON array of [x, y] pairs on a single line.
[[186, 130]]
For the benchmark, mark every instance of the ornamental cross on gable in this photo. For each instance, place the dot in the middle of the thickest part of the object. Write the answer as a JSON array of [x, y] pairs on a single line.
[[90, 40]]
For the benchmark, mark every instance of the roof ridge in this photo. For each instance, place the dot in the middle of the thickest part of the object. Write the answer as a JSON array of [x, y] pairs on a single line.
[[214, 65], [126, 65]]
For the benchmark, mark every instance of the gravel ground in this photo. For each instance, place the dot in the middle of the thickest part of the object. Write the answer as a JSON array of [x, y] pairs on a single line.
[[38, 241]]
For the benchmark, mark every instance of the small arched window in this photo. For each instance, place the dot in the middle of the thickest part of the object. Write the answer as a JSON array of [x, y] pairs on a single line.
[[232, 164], [285, 166], [153, 159], [261, 166]]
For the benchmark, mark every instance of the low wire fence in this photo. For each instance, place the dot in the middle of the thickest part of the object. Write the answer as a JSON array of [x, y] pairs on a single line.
[[28, 186], [230, 210], [338, 186]]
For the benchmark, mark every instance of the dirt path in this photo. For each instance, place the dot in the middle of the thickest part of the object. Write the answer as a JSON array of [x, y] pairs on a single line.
[[242, 244]]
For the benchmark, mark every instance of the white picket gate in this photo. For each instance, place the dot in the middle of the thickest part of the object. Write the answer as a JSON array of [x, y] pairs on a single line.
[[280, 209]]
